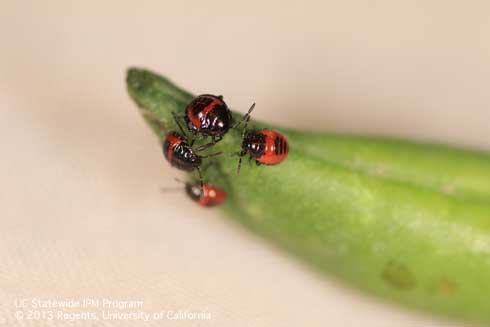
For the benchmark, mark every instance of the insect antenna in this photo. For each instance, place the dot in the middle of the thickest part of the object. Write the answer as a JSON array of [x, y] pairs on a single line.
[[172, 189], [180, 181], [244, 130], [246, 117]]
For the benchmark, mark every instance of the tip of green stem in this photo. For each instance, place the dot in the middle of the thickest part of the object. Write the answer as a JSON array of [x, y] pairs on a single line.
[[156, 96], [139, 79]]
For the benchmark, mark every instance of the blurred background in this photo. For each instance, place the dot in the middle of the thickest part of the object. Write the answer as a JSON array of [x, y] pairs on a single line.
[[81, 211]]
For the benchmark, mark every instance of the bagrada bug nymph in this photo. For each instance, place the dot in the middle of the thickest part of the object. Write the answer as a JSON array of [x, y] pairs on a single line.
[[210, 196], [209, 115], [181, 155], [266, 146]]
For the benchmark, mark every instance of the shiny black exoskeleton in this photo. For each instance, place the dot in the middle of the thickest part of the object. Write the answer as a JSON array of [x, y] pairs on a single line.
[[182, 156], [253, 144], [266, 146], [209, 115], [179, 153]]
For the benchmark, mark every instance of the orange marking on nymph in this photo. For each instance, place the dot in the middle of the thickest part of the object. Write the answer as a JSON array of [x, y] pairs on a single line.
[[209, 107], [193, 118], [270, 157], [196, 119], [211, 196], [173, 140]]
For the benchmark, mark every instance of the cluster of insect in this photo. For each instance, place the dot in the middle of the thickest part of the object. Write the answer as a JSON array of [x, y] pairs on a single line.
[[208, 116]]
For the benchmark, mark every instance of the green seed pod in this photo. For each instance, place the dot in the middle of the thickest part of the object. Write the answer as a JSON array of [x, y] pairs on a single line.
[[405, 221]]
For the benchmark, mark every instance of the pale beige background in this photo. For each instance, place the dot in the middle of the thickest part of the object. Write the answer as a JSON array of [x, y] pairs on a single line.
[[81, 212]]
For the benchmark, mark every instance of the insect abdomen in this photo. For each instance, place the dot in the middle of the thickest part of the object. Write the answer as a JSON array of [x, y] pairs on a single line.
[[276, 148]]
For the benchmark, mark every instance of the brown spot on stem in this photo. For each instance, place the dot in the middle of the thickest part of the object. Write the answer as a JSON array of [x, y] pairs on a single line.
[[397, 275], [444, 287]]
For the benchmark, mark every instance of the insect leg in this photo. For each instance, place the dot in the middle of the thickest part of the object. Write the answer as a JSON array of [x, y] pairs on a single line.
[[212, 155], [240, 162], [204, 146], [178, 124], [206, 166]]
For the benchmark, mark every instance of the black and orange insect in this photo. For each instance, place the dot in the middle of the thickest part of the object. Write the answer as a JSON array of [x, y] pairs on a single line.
[[266, 146], [209, 115], [181, 155], [210, 196]]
